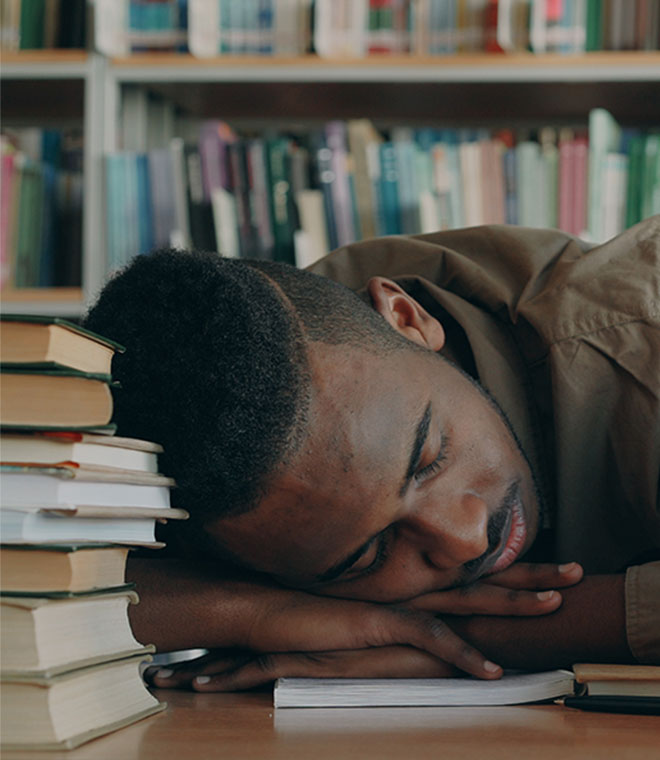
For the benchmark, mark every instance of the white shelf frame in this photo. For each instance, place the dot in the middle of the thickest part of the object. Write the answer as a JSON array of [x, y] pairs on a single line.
[[91, 70]]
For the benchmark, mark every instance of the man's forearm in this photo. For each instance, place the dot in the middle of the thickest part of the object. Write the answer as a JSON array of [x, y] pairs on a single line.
[[589, 626], [181, 607]]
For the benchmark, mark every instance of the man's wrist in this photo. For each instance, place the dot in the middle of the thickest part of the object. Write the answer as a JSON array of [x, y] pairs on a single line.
[[589, 625]]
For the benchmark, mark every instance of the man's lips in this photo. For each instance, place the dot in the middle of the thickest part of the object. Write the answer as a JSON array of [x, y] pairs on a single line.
[[510, 531], [512, 541]]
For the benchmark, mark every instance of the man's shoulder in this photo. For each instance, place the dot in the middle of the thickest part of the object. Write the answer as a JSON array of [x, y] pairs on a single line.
[[563, 285]]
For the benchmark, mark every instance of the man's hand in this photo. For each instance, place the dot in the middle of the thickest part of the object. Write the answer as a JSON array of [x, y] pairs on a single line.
[[590, 626], [225, 670], [289, 632]]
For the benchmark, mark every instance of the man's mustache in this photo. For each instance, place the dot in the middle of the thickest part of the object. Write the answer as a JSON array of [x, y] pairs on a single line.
[[496, 524]]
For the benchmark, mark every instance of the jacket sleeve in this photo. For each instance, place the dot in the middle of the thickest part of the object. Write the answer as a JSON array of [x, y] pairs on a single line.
[[643, 612]]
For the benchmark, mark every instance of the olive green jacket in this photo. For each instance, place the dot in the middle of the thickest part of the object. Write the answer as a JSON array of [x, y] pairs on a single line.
[[566, 337]]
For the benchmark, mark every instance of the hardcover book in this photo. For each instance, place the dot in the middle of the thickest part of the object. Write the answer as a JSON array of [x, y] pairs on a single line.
[[43, 636], [54, 398], [50, 342], [63, 711], [80, 448], [421, 692], [36, 569]]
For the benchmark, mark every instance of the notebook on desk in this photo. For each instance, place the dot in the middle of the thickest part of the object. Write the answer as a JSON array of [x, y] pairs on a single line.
[[512, 688]]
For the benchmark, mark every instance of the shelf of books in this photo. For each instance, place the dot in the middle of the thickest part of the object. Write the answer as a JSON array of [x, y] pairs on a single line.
[[286, 127]]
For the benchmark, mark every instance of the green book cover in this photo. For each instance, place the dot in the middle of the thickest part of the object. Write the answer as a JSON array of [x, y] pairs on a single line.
[[25, 224], [66, 594], [17, 369], [281, 203], [32, 24], [594, 25], [634, 191], [651, 188], [109, 429]]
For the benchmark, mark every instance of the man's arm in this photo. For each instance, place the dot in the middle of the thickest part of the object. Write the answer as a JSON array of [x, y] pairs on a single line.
[[183, 606], [589, 626]]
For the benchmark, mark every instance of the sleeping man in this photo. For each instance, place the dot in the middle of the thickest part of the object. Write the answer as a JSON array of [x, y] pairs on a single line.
[[429, 454]]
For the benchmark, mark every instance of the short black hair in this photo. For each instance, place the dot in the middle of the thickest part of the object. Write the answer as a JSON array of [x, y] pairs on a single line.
[[216, 366]]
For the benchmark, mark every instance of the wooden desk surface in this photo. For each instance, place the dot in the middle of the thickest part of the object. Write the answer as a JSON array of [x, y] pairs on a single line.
[[245, 727]]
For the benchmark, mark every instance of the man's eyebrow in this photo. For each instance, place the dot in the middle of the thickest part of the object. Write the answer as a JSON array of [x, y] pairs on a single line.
[[421, 433]]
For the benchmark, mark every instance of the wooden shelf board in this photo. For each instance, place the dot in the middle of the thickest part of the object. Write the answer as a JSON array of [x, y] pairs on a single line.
[[599, 58], [488, 68], [63, 55], [45, 64]]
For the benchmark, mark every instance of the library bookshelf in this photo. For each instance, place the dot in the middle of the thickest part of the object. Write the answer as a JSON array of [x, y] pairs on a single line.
[[39, 87]]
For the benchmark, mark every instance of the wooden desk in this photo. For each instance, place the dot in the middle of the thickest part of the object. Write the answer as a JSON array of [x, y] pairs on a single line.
[[245, 727]]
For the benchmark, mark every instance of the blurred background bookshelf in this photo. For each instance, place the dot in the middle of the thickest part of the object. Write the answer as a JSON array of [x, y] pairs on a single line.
[[156, 100]]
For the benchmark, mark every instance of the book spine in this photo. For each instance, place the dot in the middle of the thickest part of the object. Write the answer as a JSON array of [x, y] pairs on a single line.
[[389, 190], [145, 211], [204, 30], [335, 135], [6, 216], [594, 40], [258, 179], [281, 203], [407, 185], [265, 25], [200, 212], [179, 188], [48, 221], [651, 196]]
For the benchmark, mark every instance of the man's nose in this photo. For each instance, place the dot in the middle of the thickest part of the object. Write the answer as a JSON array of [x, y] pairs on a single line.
[[454, 532]]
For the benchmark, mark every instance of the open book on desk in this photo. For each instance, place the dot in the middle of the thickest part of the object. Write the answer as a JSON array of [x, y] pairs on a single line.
[[512, 688]]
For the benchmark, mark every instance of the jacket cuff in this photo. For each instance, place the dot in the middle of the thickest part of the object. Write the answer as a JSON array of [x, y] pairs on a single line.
[[643, 612]]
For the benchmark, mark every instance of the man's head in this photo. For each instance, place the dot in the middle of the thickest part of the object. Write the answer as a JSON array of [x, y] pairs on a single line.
[[308, 430]]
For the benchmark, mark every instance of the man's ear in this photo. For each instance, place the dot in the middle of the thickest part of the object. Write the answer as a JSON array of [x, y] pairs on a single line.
[[405, 314]]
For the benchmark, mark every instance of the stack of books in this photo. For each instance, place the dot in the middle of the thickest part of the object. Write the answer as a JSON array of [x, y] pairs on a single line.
[[74, 498]]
